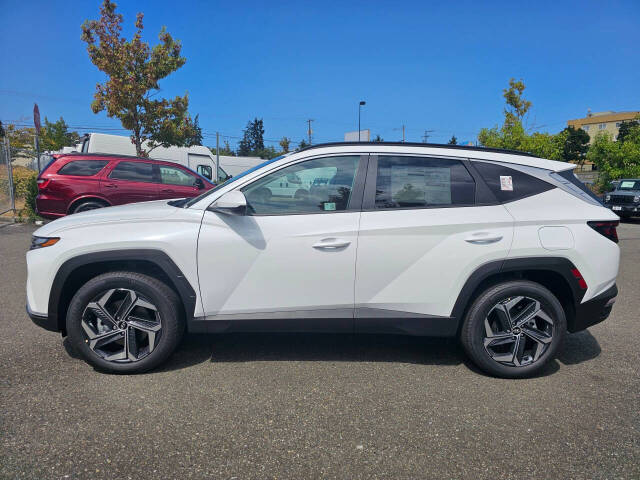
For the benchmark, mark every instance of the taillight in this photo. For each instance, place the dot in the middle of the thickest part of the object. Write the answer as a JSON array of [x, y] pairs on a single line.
[[43, 183], [608, 229]]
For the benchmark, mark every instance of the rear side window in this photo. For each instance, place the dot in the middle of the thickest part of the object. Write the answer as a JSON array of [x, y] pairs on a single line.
[[83, 168], [508, 184], [416, 182], [133, 171]]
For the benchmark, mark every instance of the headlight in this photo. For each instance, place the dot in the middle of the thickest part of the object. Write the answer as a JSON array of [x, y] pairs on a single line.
[[636, 199], [41, 242], [607, 198]]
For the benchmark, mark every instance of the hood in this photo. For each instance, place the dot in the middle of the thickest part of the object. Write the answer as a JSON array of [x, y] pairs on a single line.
[[133, 212]]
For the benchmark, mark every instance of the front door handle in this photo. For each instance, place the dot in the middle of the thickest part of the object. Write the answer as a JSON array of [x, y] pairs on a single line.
[[483, 238], [167, 190], [331, 244], [110, 185]]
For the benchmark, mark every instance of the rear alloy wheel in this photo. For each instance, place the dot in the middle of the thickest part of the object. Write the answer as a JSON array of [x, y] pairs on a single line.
[[125, 322], [513, 329], [89, 205]]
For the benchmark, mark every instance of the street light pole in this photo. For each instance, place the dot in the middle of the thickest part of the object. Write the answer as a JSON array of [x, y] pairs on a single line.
[[362, 102]]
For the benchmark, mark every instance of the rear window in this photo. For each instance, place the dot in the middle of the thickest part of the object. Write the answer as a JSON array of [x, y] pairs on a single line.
[[82, 168], [133, 171], [508, 184]]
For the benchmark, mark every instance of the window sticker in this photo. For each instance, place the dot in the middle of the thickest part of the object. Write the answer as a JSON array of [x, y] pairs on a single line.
[[626, 184], [329, 206], [506, 183]]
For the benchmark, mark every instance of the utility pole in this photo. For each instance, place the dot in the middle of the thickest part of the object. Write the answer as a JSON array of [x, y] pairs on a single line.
[[402, 133], [309, 131], [215, 175], [426, 135]]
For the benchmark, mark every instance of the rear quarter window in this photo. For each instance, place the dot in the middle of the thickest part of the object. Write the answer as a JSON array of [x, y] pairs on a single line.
[[82, 168], [508, 184]]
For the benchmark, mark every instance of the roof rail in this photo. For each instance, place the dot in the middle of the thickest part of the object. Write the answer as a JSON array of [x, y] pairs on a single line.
[[415, 144]]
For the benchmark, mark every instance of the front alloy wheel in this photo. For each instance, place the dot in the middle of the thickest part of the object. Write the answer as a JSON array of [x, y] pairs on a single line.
[[125, 322], [121, 325]]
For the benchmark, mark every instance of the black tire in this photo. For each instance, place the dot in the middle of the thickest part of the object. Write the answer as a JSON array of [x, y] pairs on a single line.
[[163, 298], [88, 205], [473, 333]]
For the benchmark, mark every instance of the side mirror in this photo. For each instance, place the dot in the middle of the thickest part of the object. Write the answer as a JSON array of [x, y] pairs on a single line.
[[198, 183], [231, 203]]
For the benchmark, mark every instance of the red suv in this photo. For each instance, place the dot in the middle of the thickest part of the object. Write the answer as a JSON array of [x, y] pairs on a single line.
[[77, 182]]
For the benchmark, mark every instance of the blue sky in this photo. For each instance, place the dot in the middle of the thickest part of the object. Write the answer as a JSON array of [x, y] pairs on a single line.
[[428, 65]]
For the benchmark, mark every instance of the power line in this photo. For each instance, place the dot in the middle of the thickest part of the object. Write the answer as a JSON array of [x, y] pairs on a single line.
[[426, 135]]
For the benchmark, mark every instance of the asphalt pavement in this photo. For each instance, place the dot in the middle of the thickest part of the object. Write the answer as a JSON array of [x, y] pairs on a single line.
[[318, 406]]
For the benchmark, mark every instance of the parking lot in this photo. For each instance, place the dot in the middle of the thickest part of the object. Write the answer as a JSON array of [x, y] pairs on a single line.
[[318, 406]]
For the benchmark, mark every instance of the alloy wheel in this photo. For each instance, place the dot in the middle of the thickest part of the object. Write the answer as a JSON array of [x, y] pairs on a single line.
[[121, 325], [517, 331]]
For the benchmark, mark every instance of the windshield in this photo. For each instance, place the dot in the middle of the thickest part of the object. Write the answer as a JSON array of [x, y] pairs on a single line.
[[229, 181], [629, 185]]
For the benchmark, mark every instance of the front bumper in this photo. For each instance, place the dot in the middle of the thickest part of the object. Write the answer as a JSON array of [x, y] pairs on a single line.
[[628, 209], [43, 321], [595, 310]]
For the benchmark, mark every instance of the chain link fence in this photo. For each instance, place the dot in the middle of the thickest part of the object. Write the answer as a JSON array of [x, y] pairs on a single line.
[[7, 191]]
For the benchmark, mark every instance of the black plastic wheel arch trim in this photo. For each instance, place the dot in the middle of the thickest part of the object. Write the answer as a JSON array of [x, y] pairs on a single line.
[[159, 258]]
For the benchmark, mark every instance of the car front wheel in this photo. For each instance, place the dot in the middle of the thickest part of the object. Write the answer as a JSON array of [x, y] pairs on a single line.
[[514, 329], [125, 322]]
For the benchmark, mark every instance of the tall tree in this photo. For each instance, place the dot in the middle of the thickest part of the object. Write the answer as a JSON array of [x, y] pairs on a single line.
[[55, 135], [285, 143], [252, 142], [516, 106], [1, 130], [378, 139], [576, 145], [302, 144], [133, 71], [625, 129], [453, 140]]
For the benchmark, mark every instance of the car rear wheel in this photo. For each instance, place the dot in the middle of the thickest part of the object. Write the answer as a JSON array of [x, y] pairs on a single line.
[[513, 329], [125, 322], [88, 205]]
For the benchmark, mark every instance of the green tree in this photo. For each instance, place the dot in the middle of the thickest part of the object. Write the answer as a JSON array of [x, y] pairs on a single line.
[[625, 129], [21, 137], [302, 144], [378, 139], [133, 71], [453, 140], [1, 130], [55, 135], [516, 106], [576, 145], [225, 150], [616, 160], [252, 142], [285, 143]]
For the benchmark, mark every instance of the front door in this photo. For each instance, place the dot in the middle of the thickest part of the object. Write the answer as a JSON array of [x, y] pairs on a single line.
[[421, 235], [292, 256]]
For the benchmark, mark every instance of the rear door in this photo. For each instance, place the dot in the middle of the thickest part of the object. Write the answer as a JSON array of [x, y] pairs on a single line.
[[176, 182], [422, 233], [130, 181]]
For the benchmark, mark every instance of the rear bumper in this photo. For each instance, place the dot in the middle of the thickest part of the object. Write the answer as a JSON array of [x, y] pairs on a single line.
[[43, 321], [595, 310]]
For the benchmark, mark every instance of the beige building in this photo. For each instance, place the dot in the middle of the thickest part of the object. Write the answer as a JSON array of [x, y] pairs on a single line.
[[597, 122]]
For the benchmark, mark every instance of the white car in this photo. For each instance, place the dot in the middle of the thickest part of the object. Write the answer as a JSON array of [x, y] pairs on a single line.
[[504, 250]]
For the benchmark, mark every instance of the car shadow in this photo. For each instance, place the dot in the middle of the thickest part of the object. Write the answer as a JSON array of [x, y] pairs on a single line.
[[320, 347]]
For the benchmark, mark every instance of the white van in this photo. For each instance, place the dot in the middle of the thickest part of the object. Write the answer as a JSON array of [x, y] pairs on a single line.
[[236, 165], [198, 158]]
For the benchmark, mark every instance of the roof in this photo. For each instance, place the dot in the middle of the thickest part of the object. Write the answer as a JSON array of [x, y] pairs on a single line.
[[455, 151], [604, 118], [414, 144], [101, 155]]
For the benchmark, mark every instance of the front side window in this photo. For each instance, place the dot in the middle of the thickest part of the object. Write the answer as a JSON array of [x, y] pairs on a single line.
[[133, 171], [417, 182], [205, 171], [314, 186], [175, 176], [83, 168]]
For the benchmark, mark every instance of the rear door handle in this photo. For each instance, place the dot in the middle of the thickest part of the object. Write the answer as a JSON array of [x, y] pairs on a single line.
[[331, 244], [483, 238], [167, 190]]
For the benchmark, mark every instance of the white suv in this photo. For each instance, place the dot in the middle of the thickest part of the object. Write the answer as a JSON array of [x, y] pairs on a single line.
[[506, 251]]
